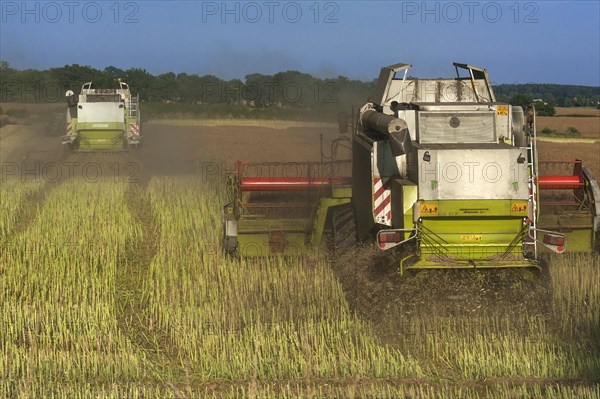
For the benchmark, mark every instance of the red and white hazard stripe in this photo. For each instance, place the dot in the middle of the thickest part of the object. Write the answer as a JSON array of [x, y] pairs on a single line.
[[134, 129], [69, 129], [382, 201]]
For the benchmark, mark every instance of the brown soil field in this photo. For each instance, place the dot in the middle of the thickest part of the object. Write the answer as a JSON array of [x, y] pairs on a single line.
[[587, 126], [588, 123], [167, 149], [577, 111], [34, 107], [188, 149]]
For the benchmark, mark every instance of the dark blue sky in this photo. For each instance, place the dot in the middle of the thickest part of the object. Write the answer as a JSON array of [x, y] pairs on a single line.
[[518, 42]]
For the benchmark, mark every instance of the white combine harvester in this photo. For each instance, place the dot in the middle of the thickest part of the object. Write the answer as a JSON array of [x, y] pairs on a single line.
[[102, 119]]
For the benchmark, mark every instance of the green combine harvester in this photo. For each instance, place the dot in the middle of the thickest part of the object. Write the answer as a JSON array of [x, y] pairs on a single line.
[[102, 119], [440, 172]]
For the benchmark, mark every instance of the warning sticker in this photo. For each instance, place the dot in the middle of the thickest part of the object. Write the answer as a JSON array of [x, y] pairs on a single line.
[[518, 207], [429, 209], [502, 110]]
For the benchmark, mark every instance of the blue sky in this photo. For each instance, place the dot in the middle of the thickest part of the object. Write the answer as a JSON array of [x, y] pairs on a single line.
[[518, 42]]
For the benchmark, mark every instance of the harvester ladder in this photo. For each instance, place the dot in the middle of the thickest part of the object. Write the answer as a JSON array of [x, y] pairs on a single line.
[[133, 106], [532, 164]]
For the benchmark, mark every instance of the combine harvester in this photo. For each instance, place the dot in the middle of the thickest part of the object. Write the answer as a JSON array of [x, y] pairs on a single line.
[[440, 170], [102, 119]]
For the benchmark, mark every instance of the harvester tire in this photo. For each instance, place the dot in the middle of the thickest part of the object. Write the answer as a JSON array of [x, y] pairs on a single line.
[[344, 227]]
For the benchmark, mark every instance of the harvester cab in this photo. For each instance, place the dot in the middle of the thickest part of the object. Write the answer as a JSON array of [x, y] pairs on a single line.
[[102, 119]]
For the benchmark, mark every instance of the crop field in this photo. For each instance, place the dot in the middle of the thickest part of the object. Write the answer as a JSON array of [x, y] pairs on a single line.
[[585, 120], [113, 284], [580, 111]]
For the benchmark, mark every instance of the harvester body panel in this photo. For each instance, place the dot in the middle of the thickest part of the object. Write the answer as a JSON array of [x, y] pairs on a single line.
[[478, 171]]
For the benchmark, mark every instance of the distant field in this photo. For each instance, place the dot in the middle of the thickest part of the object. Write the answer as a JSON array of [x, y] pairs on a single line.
[[577, 111], [587, 123], [273, 124], [34, 107]]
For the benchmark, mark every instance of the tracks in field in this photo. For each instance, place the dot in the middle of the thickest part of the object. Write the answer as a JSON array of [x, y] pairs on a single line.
[[394, 305], [375, 290], [133, 312], [132, 271], [28, 212]]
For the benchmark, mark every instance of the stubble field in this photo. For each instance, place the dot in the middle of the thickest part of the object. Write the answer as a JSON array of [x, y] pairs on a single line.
[[113, 284]]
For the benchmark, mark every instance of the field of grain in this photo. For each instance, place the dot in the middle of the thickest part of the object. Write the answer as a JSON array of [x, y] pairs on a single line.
[[115, 285]]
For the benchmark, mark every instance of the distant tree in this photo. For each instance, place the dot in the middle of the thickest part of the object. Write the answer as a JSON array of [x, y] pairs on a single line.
[[232, 91], [73, 76], [210, 90], [187, 87], [140, 81], [164, 88], [259, 90], [5, 66], [521, 99], [544, 108], [114, 72]]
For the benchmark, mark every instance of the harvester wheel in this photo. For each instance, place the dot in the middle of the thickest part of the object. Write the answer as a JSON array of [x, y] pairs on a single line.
[[344, 227]]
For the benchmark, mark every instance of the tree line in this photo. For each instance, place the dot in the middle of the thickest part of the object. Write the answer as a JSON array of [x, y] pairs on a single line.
[[554, 94], [284, 89], [289, 89]]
